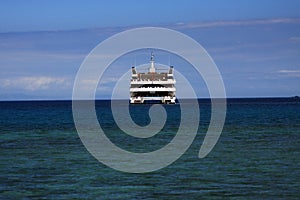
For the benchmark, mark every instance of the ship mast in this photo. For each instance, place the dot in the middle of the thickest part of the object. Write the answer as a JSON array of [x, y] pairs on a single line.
[[152, 68]]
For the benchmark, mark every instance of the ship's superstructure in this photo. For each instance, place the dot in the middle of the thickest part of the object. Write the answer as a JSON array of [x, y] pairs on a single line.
[[152, 86]]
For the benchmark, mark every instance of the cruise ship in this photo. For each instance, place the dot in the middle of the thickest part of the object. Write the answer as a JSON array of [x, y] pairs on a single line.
[[152, 86]]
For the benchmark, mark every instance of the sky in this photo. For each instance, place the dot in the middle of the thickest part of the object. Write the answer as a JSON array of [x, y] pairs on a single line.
[[255, 44]]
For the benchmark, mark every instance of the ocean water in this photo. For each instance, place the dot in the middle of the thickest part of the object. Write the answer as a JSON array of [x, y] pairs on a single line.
[[256, 157]]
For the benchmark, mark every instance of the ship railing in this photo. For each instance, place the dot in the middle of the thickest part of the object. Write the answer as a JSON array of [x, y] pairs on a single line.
[[147, 80]]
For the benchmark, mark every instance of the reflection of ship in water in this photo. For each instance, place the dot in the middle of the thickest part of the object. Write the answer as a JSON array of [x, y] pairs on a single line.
[[152, 86]]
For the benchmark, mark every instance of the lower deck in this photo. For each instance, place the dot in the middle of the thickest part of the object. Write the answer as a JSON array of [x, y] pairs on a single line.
[[153, 99]]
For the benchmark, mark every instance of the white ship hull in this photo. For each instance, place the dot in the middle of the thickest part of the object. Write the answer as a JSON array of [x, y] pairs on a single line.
[[164, 100]]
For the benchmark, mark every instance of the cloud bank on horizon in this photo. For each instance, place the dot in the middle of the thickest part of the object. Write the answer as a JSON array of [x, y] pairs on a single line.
[[256, 57]]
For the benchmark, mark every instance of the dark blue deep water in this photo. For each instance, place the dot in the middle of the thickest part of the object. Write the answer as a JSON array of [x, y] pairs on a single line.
[[256, 157]]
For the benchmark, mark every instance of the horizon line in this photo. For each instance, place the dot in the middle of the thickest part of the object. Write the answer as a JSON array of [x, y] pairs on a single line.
[[107, 99]]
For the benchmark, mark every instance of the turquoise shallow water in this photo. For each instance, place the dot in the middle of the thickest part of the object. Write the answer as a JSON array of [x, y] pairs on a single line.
[[257, 156]]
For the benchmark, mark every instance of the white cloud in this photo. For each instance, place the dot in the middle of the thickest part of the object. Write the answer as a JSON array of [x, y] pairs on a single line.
[[289, 73], [294, 39], [34, 83], [237, 23]]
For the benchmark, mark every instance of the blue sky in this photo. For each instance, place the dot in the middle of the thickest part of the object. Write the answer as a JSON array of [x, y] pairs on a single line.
[[30, 15], [255, 44]]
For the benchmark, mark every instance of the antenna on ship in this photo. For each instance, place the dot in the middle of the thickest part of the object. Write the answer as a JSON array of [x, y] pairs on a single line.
[[152, 68]]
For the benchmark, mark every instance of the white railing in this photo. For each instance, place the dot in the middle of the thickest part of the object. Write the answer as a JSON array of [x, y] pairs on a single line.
[[169, 81], [155, 89]]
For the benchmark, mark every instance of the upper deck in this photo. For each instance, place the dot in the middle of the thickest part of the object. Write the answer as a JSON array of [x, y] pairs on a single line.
[[152, 77]]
